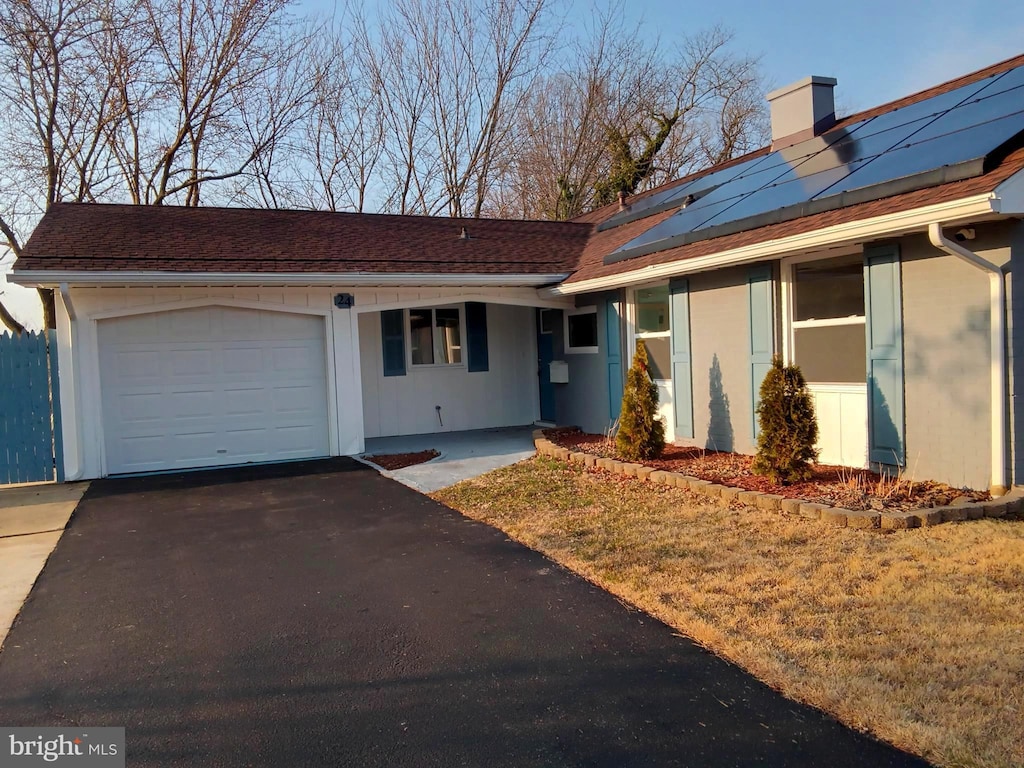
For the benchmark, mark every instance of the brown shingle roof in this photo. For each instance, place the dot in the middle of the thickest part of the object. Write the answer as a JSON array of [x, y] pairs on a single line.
[[91, 237]]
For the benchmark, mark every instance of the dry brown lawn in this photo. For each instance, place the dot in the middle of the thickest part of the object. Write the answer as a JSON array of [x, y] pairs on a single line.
[[915, 636]]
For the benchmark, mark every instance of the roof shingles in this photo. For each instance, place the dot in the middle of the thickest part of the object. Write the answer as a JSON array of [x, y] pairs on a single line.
[[165, 238]]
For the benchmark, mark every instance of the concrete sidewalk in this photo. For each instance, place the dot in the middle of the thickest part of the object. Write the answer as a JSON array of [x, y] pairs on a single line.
[[32, 519], [464, 455]]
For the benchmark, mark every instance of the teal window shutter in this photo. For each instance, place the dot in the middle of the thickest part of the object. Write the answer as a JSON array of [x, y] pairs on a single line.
[[613, 325], [761, 295], [682, 366], [883, 306], [392, 334], [476, 336]]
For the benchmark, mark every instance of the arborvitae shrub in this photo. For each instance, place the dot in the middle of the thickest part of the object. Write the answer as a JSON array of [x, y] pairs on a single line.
[[789, 429], [641, 433]]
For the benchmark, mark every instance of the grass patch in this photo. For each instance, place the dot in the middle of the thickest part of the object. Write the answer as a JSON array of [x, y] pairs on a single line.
[[917, 637]]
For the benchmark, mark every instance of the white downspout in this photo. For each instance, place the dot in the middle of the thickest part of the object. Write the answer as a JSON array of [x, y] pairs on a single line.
[[997, 314], [69, 307]]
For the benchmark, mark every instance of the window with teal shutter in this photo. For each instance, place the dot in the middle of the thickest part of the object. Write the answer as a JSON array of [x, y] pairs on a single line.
[[392, 333], [883, 305], [682, 365], [761, 295]]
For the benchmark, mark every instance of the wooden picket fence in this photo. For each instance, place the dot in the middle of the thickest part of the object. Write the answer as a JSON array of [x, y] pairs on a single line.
[[29, 409]]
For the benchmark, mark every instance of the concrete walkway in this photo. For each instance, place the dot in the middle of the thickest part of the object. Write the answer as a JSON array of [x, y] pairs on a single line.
[[464, 455], [32, 519]]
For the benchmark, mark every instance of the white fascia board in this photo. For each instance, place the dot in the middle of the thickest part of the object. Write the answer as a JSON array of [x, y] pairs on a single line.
[[51, 279], [888, 225], [1010, 194]]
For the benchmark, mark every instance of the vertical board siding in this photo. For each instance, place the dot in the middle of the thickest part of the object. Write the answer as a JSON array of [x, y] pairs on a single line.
[[760, 292], [613, 327], [26, 420], [476, 336], [884, 309], [682, 363], [58, 432]]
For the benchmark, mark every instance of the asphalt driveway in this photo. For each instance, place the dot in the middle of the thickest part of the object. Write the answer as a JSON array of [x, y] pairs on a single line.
[[320, 614]]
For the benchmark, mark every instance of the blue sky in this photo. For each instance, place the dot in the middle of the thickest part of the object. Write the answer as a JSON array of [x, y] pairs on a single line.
[[878, 50]]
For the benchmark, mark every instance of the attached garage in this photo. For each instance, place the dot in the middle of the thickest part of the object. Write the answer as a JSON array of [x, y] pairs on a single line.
[[212, 386]]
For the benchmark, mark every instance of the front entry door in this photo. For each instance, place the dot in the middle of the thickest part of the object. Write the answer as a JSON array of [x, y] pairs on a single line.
[[545, 354]]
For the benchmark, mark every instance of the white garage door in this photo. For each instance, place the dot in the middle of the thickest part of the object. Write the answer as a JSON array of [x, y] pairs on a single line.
[[212, 386]]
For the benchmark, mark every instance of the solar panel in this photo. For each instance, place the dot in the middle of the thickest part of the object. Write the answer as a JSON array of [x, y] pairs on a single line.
[[673, 197], [936, 140], [645, 206], [956, 149]]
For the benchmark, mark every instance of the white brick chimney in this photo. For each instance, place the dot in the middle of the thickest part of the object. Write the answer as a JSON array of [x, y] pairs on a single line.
[[802, 110]]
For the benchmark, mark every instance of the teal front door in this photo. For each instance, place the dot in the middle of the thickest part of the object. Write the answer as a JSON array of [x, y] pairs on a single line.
[[545, 354]]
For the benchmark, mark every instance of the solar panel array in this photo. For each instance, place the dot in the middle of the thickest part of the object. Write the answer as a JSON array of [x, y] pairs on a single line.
[[940, 139]]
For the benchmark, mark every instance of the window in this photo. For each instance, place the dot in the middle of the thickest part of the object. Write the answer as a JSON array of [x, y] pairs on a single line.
[[652, 327], [435, 336], [581, 330], [828, 320], [547, 321]]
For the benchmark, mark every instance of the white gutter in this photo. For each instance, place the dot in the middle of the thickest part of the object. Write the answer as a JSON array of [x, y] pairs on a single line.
[[997, 313], [914, 220], [82, 278], [72, 348]]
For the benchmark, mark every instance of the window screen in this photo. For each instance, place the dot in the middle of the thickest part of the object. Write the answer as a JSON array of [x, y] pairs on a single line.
[[832, 353], [659, 357], [829, 289]]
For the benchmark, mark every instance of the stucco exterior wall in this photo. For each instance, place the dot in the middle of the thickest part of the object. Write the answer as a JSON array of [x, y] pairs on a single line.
[[947, 364], [720, 350]]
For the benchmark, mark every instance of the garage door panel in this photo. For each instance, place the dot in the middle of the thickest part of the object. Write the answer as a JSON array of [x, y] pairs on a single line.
[[179, 391], [243, 360], [295, 440], [191, 405], [283, 326], [243, 401]]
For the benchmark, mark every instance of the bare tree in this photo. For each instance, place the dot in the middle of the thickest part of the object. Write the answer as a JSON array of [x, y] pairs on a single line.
[[147, 102], [625, 115], [57, 110], [456, 72], [344, 133]]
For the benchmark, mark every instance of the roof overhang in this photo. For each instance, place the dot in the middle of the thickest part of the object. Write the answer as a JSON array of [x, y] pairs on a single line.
[[988, 205], [87, 278]]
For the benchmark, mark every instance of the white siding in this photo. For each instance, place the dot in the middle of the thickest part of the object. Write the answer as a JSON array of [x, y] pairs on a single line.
[[504, 395]]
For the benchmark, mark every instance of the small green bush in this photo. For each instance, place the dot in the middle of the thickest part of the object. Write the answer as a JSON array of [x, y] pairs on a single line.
[[641, 433], [789, 428]]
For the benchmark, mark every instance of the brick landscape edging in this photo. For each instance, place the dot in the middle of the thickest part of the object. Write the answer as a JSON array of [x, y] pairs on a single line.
[[1011, 503]]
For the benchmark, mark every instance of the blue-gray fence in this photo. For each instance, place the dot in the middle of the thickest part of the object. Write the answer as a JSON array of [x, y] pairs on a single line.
[[29, 408]]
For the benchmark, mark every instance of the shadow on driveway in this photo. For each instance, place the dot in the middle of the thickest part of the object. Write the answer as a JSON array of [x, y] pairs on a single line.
[[320, 614]]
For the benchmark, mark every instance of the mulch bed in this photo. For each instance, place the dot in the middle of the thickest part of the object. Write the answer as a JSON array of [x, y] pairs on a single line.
[[400, 460], [844, 487]]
